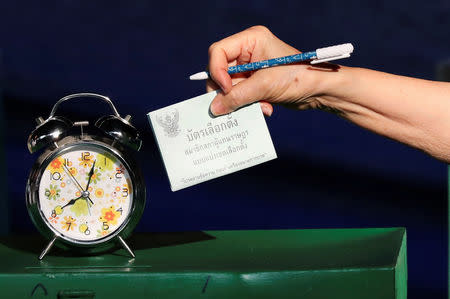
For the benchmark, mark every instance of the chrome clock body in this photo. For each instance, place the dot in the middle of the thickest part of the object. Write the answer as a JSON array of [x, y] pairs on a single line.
[[85, 192], [48, 225]]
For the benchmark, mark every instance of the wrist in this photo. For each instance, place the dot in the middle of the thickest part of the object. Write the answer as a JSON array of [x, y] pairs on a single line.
[[334, 85]]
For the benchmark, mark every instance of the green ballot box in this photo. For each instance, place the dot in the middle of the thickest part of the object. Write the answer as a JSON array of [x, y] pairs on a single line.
[[329, 263]]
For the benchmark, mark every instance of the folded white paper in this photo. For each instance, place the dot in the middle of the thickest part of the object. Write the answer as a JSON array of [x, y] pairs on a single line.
[[196, 147]]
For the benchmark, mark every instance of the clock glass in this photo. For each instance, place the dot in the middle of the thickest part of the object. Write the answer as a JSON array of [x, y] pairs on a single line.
[[85, 193]]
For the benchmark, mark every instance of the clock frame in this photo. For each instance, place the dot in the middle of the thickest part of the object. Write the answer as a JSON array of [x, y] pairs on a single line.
[[115, 136]]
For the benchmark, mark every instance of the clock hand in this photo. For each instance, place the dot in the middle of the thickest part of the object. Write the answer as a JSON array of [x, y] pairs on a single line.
[[91, 173], [88, 207], [71, 202], [73, 178], [76, 182]]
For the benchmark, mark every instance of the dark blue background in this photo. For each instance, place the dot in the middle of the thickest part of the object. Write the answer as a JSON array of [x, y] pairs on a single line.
[[329, 173]]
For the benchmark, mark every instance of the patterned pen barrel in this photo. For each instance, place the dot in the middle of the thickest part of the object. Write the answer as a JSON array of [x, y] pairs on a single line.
[[318, 56]]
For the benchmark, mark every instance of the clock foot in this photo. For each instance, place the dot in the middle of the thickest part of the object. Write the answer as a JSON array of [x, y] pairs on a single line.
[[47, 249], [125, 245]]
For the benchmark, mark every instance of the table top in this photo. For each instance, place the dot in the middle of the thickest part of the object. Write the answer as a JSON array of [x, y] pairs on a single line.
[[235, 251]]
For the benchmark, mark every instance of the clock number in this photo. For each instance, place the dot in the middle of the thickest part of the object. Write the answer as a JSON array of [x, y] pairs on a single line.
[[87, 232], [120, 210], [119, 173], [124, 192], [67, 162], [55, 176], [105, 226], [85, 156], [69, 224]]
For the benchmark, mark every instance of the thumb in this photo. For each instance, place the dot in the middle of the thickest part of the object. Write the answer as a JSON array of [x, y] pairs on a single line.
[[245, 92]]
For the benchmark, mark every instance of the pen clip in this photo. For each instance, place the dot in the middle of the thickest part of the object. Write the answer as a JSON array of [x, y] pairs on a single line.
[[316, 61]]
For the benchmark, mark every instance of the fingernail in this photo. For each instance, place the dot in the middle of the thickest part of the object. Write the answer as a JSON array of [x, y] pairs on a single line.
[[266, 110], [217, 108]]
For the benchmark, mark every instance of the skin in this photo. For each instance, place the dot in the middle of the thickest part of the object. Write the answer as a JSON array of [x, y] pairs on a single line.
[[413, 111]]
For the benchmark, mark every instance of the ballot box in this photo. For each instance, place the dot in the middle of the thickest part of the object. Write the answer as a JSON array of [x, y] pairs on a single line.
[[313, 263]]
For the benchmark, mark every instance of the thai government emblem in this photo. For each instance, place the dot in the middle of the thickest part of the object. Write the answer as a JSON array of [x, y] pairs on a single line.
[[169, 122]]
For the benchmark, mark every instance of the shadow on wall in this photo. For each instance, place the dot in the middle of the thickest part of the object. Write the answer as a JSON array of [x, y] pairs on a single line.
[[4, 208]]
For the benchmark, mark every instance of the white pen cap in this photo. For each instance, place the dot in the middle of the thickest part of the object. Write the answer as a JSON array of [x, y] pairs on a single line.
[[199, 76], [333, 53]]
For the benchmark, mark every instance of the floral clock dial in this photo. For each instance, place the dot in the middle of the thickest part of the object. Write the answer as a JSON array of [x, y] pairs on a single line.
[[86, 193]]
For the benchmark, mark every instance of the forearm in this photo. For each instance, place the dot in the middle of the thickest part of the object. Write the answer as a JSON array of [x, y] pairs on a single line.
[[413, 111]]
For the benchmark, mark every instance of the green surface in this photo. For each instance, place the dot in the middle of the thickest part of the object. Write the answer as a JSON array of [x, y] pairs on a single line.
[[338, 263]]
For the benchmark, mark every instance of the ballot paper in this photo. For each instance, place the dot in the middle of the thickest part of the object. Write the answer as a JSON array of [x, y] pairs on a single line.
[[196, 146]]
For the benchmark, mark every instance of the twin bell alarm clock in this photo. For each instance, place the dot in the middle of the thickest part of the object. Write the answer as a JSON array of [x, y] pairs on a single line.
[[85, 192]]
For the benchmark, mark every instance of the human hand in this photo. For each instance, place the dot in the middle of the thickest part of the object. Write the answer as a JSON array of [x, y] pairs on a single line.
[[295, 85], [387, 104]]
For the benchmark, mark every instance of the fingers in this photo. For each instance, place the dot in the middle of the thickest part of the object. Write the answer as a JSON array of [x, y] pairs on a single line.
[[211, 85], [246, 92], [236, 48], [243, 47], [266, 108], [218, 67]]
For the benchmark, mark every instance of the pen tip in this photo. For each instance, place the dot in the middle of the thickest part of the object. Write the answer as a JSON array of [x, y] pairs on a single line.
[[199, 76]]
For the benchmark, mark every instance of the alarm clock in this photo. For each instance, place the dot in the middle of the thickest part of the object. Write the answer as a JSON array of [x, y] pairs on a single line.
[[85, 191]]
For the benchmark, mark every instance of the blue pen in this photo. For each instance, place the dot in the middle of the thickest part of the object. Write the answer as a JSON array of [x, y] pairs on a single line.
[[318, 56]]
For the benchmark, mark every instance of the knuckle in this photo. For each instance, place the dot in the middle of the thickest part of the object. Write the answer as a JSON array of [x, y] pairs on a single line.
[[234, 100], [261, 29], [211, 48]]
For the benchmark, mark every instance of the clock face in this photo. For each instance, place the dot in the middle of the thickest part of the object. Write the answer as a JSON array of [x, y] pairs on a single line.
[[85, 193]]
